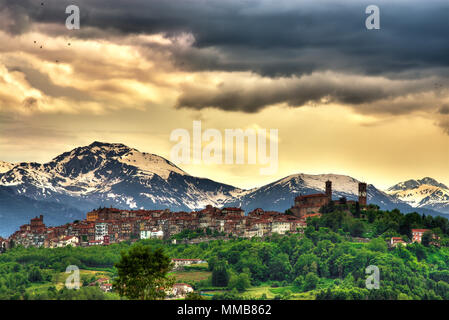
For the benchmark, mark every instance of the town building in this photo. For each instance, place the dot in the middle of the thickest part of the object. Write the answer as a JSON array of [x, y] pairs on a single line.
[[180, 290], [37, 224], [312, 203], [180, 263], [101, 230], [417, 234], [362, 194], [397, 241], [68, 241], [153, 234], [106, 226]]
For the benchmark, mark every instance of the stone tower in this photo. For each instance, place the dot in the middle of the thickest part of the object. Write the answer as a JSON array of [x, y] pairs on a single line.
[[329, 190], [362, 194]]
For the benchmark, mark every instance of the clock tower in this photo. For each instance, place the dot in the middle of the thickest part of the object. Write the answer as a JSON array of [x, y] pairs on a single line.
[[362, 194]]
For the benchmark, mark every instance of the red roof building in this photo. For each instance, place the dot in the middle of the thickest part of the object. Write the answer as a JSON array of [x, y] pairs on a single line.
[[417, 234]]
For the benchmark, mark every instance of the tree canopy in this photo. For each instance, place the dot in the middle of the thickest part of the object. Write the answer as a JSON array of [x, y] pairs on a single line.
[[142, 273]]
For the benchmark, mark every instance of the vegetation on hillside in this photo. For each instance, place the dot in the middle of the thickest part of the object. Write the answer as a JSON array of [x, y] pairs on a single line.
[[326, 262]]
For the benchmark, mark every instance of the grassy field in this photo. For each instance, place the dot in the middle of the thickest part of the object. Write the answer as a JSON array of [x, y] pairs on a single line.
[[269, 292], [189, 276], [58, 280], [182, 276]]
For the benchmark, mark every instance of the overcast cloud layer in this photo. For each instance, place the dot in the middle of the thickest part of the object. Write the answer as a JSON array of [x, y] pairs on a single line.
[[265, 52], [271, 37]]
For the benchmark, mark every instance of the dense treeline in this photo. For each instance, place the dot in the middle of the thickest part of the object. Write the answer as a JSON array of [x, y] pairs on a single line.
[[373, 222], [323, 261]]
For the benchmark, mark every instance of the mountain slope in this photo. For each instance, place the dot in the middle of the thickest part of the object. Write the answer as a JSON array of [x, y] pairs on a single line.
[[16, 210], [280, 194], [104, 174], [424, 193], [5, 166]]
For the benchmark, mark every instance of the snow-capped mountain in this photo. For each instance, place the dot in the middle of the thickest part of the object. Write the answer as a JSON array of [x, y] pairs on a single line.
[[113, 174], [104, 174], [5, 166], [280, 194], [425, 193]]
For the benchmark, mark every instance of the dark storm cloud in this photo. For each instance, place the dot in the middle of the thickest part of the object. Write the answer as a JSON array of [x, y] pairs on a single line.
[[311, 89], [273, 37]]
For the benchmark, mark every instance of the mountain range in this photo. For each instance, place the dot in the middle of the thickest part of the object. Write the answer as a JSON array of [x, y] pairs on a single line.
[[111, 174], [424, 193]]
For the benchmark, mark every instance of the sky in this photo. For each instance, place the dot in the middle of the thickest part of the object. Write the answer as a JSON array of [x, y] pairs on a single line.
[[371, 104]]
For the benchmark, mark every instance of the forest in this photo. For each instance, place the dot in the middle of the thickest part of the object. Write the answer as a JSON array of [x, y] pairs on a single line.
[[326, 261]]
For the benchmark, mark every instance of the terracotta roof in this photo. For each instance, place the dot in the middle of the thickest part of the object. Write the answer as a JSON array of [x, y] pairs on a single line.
[[67, 238], [182, 284]]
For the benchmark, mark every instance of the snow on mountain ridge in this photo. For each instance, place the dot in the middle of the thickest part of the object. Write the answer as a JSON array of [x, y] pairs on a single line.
[[411, 184], [92, 168], [150, 163], [98, 151], [5, 166], [423, 193], [103, 174], [342, 183]]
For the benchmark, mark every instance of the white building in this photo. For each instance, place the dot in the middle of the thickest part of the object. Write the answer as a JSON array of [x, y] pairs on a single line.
[[179, 263], [68, 241], [101, 229], [180, 290], [280, 227], [155, 234]]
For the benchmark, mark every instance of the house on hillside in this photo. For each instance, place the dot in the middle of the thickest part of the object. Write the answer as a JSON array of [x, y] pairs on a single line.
[[417, 234], [68, 241], [397, 241], [180, 290], [180, 263]]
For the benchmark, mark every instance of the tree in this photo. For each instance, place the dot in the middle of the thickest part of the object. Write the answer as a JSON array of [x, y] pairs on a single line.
[[357, 210], [220, 275], [280, 268], [310, 281], [378, 244], [35, 275], [142, 273], [240, 282], [306, 263], [357, 228], [371, 216], [298, 282], [193, 296], [211, 263], [427, 238]]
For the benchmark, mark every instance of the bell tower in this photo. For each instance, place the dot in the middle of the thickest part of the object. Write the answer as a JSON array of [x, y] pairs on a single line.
[[362, 194], [329, 190]]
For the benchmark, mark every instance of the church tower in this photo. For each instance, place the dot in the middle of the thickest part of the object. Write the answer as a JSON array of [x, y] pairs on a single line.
[[362, 194], [329, 190]]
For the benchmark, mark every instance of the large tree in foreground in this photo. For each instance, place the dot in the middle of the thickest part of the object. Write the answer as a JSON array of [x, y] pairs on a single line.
[[143, 274]]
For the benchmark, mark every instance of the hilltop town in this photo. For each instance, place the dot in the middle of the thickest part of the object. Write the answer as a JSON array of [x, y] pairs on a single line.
[[105, 226]]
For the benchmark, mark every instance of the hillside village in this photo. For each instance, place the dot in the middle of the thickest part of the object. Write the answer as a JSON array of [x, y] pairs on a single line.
[[106, 226]]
